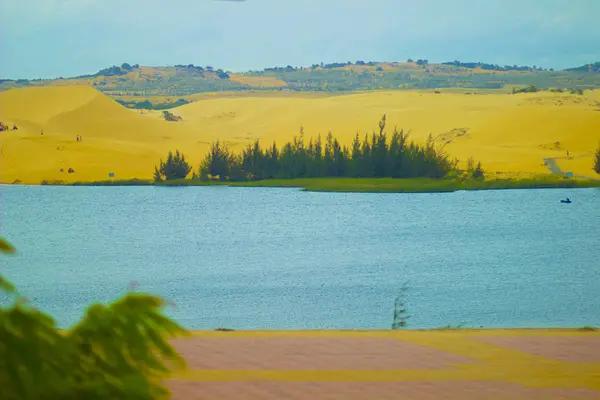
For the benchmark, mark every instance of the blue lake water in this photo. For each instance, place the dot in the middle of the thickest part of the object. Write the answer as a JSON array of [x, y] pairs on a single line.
[[262, 258]]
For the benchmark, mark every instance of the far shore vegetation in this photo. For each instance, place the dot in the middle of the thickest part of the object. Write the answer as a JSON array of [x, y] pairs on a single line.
[[373, 156], [371, 164], [364, 185]]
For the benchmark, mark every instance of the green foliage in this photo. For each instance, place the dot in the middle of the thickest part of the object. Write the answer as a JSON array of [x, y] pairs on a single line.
[[528, 89], [118, 182], [597, 161], [475, 171], [157, 175], [401, 316], [417, 185], [490, 67], [174, 168], [184, 80], [376, 157], [217, 162], [587, 328], [169, 116], [593, 68], [6, 286], [6, 247], [119, 351]]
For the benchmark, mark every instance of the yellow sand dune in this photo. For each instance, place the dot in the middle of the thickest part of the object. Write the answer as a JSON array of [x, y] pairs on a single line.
[[37, 105], [114, 138], [508, 133]]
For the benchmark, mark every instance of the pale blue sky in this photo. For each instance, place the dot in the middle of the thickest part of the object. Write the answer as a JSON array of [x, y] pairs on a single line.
[[51, 38]]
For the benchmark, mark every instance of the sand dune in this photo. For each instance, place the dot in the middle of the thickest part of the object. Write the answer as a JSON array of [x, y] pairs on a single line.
[[508, 133]]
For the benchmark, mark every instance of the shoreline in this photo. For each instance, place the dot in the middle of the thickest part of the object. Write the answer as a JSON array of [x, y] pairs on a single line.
[[586, 329], [360, 185]]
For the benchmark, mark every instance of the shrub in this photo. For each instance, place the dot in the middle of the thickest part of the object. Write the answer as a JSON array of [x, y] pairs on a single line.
[[118, 351], [597, 161], [400, 312], [169, 116], [174, 168], [528, 89], [476, 171]]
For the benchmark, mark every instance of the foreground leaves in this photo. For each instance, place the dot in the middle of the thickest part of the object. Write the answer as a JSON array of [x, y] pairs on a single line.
[[6, 247], [119, 351]]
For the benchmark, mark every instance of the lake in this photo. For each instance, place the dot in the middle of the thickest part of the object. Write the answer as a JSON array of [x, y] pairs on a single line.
[[267, 258]]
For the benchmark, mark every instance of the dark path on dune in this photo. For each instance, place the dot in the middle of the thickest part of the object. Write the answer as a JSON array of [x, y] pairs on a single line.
[[555, 169]]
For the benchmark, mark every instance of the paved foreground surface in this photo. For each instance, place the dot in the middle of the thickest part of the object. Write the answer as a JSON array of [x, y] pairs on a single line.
[[409, 365]]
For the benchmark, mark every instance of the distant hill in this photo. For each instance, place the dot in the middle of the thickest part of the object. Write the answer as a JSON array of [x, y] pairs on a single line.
[[141, 86], [595, 68]]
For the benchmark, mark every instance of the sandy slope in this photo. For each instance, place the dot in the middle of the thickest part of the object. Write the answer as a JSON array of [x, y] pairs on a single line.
[[509, 133]]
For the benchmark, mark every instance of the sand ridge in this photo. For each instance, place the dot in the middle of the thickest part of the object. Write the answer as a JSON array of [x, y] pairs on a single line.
[[508, 133]]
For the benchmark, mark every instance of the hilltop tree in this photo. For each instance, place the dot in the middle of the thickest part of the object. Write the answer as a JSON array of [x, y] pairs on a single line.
[[174, 168], [597, 161]]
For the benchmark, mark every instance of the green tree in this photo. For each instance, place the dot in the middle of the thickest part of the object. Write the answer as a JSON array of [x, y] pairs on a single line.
[[216, 163], [272, 161], [380, 151], [328, 158], [174, 168], [475, 170], [318, 163], [365, 160], [356, 157], [237, 173], [119, 351]]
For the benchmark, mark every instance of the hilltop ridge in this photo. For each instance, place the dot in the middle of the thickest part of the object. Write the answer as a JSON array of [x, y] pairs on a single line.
[[134, 83]]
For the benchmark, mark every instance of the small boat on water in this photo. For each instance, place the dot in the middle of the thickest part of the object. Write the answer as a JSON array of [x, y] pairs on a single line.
[[567, 201]]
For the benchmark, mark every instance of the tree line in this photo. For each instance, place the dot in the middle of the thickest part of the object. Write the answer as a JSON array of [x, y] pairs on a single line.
[[374, 156]]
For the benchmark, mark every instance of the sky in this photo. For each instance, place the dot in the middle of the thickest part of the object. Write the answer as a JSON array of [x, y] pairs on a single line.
[[53, 38]]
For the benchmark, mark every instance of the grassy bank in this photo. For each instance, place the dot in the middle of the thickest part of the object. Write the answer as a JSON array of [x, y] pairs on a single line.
[[370, 185]]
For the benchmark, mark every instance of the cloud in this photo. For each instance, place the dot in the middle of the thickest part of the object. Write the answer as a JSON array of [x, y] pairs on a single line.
[[43, 37]]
